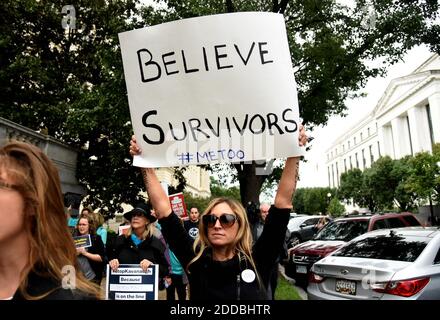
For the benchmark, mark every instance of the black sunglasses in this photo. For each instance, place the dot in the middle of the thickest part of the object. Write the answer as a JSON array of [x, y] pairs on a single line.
[[227, 220]]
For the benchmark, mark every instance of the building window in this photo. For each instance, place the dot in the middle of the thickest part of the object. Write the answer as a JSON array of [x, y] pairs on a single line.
[[345, 165], [354, 141], [351, 164], [357, 161], [378, 149], [343, 148], [431, 132], [348, 145], [371, 154], [361, 136], [368, 132]]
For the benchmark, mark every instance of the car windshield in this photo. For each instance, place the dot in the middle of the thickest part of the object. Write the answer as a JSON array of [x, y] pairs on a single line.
[[385, 247], [344, 230]]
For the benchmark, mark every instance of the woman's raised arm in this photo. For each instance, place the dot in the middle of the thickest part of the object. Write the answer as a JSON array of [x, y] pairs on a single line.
[[289, 177], [158, 198]]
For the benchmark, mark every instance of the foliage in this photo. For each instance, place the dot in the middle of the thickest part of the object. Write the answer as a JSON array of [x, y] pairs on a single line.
[[351, 186], [403, 182], [219, 191], [195, 202], [425, 174], [312, 200], [336, 208], [405, 198], [380, 182]]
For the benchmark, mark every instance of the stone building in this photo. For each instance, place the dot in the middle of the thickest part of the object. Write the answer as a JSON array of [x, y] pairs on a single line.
[[405, 121]]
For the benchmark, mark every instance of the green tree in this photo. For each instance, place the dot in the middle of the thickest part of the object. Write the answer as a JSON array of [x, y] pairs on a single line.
[[350, 188], [298, 201], [405, 198], [336, 208], [219, 191], [312, 200], [380, 182], [197, 202], [424, 179]]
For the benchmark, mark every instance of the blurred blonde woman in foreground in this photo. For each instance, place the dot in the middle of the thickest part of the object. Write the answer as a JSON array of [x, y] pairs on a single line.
[[37, 254]]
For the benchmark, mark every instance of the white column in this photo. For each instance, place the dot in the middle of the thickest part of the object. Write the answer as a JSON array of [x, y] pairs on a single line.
[[434, 105], [400, 137], [386, 142], [420, 135], [329, 176]]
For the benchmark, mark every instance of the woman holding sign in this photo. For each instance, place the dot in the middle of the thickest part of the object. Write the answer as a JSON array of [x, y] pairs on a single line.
[[37, 255], [139, 245], [91, 258], [222, 264]]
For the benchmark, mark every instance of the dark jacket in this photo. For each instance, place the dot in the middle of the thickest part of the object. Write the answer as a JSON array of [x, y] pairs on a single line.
[[151, 249], [38, 285], [97, 248], [215, 280]]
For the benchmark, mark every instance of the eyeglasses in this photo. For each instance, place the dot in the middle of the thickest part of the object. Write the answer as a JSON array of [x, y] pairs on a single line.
[[137, 214], [227, 220]]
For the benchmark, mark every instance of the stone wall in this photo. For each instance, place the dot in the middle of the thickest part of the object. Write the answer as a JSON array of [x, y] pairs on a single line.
[[63, 156]]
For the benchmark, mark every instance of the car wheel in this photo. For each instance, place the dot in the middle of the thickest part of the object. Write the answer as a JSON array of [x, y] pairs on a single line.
[[293, 241]]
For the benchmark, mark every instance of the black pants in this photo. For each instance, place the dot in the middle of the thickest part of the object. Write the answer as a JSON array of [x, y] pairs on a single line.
[[176, 285]]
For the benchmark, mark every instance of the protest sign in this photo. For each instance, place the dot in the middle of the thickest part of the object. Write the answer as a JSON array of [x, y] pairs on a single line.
[[123, 229], [83, 241], [178, 205], [130, 282], [212, 89]]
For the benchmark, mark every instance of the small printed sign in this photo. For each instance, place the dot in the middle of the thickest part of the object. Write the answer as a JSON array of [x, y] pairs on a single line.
[[123, 229], [178, 205], [83, 241], [130, 282]]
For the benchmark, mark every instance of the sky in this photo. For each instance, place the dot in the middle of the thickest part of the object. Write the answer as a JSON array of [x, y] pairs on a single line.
[[313, 173]]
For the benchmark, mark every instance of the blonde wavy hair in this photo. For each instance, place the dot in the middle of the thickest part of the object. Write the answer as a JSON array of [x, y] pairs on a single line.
[[51, 245], [150, 230], [242, 245]]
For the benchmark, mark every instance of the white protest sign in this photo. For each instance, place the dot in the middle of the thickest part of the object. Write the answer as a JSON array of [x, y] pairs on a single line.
[[212, 89]]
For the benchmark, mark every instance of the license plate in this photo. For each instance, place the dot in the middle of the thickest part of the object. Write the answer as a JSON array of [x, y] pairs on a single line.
[[301, 269], [346, 287]]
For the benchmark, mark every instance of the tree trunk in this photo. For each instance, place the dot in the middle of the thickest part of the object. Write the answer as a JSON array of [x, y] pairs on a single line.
[[250, 183], [431, 208]]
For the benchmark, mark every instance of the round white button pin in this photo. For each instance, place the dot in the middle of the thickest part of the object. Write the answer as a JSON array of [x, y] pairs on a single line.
[[248, 275]]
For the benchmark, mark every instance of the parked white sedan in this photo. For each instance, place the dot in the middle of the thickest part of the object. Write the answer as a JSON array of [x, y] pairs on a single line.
[[399, 264]]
